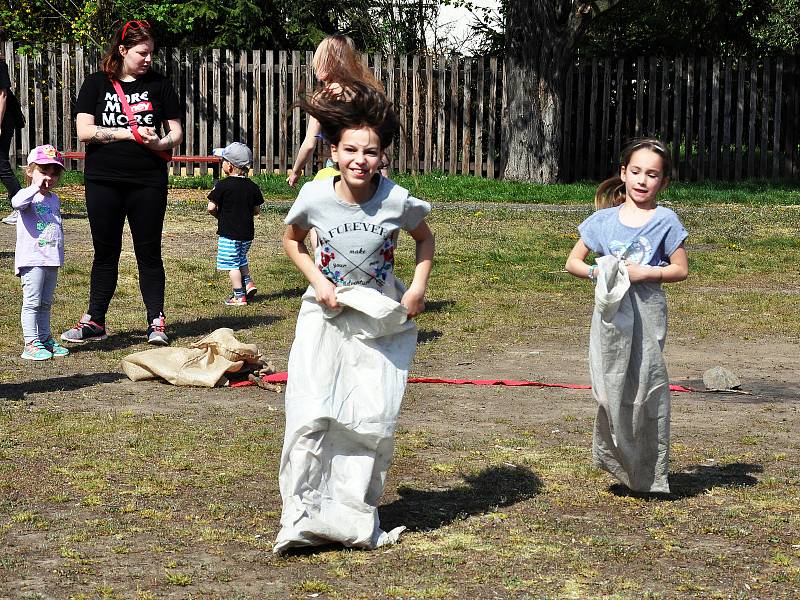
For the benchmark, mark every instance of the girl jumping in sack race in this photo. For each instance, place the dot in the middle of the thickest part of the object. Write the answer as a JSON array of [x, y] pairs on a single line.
[[639, 245], [354, 341]]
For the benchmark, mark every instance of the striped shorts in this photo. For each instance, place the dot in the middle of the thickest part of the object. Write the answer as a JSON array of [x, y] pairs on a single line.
[[232, 254]]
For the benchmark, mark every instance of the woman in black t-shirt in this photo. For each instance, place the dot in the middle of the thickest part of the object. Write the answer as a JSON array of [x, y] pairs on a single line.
[[125, 177], [9, 121]]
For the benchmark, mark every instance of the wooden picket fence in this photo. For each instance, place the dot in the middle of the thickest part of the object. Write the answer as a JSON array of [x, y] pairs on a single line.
[[724, 120]]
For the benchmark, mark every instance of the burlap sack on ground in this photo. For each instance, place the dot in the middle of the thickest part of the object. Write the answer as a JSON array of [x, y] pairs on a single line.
[[203, 363], [347, 374], [629, 379]]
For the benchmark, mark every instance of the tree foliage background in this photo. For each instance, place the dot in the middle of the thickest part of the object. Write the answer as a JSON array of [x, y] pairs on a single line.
[[634, 27], [375, 25], [646, 27]]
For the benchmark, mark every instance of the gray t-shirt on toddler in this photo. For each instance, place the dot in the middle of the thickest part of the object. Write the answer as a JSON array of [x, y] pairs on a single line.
[[357, 241], [651, 244]]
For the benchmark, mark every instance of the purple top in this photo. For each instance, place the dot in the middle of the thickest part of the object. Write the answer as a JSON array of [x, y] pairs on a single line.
[[40, 237]]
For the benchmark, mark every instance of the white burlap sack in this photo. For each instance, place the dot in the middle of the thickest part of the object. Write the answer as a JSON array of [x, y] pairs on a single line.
[[629, 379], [347, 375]]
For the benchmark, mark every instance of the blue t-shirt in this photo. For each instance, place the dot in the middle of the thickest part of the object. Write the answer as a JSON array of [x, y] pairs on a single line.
[[651, 244]]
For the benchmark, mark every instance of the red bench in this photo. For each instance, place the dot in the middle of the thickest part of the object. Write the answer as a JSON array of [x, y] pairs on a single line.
[[176, 158]]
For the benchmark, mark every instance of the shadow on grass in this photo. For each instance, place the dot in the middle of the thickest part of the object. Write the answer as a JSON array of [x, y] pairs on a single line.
[[699, 479], [295, 292], [68, 383], [178, 330], [423, 510], [202, 327], [6, 255], [439, 305], [424, 336]]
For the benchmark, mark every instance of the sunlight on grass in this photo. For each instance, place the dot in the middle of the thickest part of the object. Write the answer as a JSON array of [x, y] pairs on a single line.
[[170, 488]]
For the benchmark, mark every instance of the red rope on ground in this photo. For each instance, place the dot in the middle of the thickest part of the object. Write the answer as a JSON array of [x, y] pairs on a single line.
[[282, 377]]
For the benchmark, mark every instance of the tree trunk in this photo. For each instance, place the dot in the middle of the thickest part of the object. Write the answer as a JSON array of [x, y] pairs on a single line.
[[532, 127], [540, 44]]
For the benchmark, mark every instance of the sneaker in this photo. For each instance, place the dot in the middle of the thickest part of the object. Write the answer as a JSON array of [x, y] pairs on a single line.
[[84, 331], [155, 331], [234, 300], [56, 349], [12, 218], [36, 351], [250, 290]]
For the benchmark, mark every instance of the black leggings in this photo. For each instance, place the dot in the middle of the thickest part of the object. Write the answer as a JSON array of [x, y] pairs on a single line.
[[6, 174], [108, 203]]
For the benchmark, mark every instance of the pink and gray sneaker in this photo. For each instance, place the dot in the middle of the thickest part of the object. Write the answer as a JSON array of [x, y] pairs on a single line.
[[84, 331], [155, 331]]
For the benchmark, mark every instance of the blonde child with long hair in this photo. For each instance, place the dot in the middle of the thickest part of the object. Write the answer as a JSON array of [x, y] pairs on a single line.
[[336, 64], [639, 245], [40, 250]]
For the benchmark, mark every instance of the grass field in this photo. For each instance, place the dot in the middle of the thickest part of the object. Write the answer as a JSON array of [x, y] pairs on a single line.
[[441, 187], [115, 489]]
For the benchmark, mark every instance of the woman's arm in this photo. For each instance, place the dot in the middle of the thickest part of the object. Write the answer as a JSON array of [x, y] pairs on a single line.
[[211, 208], [576, 261], [295, 247], [173, 135], [305, 151], [414, 298], [3, 101], [89, 133]]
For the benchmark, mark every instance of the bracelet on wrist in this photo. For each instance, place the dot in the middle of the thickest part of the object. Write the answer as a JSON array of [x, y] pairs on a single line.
[[592, 273]]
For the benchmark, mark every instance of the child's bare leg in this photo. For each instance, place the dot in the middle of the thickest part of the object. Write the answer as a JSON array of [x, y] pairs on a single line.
[[236, 278]]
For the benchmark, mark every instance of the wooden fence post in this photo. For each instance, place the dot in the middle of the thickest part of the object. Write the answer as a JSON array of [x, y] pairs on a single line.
[[765, 102], [466, 123], [701, 119], [453, 129], [776, 130], [490, 146], [403, 101]]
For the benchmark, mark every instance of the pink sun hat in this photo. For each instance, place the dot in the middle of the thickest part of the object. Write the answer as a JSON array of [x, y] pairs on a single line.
[[45, 155]]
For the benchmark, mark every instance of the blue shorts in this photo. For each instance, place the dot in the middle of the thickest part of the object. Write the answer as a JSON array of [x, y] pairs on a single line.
[[232, 254]]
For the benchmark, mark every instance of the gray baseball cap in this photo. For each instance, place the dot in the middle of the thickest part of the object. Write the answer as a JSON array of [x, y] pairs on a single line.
[[236, 153]]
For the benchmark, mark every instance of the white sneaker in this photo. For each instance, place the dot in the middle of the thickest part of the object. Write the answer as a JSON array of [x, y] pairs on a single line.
[[12, 218]]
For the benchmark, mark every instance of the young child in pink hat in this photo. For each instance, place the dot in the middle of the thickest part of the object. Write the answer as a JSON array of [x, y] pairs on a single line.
[[40, 250]]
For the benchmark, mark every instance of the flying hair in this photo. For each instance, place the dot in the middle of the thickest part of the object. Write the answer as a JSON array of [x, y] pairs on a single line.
[[336, 58], [612, 191], [356, 106]]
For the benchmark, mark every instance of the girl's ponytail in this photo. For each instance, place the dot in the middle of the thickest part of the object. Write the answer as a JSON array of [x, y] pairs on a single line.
[[609, 193]]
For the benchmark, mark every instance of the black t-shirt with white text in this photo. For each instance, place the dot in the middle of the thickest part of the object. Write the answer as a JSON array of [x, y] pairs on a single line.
[[236, 197], [152, 101], [12, 116]]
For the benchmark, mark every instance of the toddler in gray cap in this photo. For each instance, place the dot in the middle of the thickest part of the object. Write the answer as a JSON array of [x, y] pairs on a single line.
[[234, 201]]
